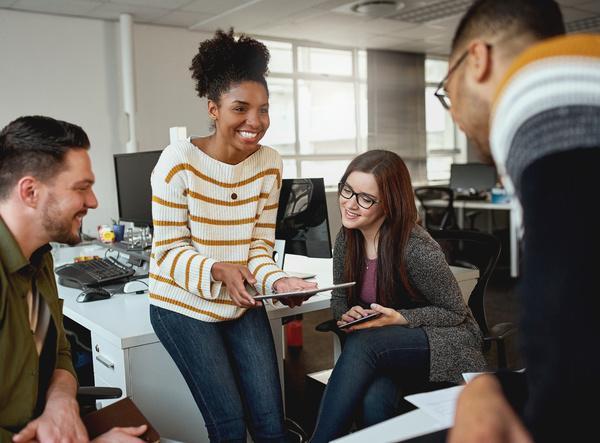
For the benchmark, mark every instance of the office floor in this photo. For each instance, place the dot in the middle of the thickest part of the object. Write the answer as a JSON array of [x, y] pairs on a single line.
[[303, 395]]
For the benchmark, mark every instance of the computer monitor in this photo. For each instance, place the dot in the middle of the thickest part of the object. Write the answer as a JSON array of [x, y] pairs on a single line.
[[302, 218], [472, 176], [134, 193]]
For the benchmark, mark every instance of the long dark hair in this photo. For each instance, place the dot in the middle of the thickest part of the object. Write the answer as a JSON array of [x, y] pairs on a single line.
[[398, 204]]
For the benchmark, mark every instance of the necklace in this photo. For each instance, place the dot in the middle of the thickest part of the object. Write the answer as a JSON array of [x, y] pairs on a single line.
[[369, 260]]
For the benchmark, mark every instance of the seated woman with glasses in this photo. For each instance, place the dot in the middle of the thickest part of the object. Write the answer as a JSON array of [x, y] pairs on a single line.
[[424, 333]]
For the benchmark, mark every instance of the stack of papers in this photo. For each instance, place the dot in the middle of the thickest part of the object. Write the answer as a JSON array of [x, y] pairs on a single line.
[[439, 405]]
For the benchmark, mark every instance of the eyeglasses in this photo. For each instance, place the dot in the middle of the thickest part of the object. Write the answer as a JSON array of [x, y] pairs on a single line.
[[440, 92], [365, 201]]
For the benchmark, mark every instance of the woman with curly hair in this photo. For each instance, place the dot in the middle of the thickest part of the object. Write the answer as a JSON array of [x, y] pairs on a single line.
[[214, 204]]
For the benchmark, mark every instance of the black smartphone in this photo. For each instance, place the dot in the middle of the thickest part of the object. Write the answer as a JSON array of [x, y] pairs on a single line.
[[367, 317]]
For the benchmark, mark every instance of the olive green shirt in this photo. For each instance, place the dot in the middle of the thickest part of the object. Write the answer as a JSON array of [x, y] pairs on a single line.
[[19, 360]]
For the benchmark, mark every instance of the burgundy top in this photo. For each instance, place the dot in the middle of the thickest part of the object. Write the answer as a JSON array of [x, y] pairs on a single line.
[[368, 289]]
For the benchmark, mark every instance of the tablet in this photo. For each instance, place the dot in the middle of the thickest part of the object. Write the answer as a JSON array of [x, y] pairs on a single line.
[[367, 317], [303, 293]]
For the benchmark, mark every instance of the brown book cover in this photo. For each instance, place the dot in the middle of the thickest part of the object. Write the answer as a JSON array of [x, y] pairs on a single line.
[[123, 413]]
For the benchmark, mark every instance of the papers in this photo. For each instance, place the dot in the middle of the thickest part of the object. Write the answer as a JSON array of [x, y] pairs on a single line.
[[440, 404]]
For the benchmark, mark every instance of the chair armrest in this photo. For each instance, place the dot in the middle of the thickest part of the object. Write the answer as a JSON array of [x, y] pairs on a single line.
[[331, 326], [87, 393], [501, 331]]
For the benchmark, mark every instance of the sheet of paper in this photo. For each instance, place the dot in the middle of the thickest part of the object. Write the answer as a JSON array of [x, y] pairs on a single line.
[[439, 404]]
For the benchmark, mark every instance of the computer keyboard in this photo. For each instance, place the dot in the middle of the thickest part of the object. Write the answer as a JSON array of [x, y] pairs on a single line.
[[93, 272]]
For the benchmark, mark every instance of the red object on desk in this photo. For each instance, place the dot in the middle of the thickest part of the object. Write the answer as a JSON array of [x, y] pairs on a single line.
[[293, 333]]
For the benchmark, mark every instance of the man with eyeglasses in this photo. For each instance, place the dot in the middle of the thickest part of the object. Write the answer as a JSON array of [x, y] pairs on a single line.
[[529, 98]]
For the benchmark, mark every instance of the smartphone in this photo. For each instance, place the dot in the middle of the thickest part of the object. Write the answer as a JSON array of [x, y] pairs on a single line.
[[367, 317]]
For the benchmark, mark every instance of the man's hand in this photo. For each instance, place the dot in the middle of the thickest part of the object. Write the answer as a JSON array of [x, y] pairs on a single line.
[[122, 435], [388, 316], [484, 415], [288, 284], [60, 420], [234, 277]]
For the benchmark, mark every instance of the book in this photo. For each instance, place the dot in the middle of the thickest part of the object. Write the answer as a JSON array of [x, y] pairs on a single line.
[[123, 413]]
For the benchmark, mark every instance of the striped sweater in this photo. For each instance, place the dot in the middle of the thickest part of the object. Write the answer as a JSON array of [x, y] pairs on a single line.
[[205, 211], [548, 87]]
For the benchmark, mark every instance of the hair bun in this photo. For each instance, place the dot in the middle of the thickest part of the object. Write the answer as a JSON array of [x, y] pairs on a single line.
[[223, 60]]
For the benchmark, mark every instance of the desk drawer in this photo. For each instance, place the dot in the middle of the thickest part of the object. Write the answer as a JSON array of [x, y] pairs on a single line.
[[109, 363]]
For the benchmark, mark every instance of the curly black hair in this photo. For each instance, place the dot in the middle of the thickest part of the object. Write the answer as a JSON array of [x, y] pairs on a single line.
[[222, 61]]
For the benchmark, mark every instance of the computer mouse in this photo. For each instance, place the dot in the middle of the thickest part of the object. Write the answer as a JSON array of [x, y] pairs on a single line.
[[135, 286], [93, 294]]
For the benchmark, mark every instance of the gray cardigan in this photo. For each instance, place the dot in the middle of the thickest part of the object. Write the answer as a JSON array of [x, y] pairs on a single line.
[[455, 340]]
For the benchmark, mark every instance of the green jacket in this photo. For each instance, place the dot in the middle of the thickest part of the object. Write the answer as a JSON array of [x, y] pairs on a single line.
[[19, 361]]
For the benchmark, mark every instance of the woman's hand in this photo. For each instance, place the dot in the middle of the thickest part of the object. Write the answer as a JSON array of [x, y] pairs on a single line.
[[288, 284], [234, 278], [388, 316]]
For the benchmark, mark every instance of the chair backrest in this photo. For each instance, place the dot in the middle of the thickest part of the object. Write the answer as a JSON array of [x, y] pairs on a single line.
[[436, 216], [472, 249]]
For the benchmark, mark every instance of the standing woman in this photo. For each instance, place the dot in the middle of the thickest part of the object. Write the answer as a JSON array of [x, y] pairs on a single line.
[[214, 204], [425, 331]]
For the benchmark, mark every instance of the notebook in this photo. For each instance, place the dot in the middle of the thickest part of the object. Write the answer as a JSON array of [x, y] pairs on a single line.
[[123, 413]]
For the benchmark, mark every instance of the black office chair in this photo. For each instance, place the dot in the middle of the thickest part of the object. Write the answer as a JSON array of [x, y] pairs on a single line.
[[87, 396], [478, 250], [437, 217]]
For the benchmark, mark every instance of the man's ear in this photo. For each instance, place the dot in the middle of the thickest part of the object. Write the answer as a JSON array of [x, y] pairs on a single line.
[[213, 110], [28, 191], [480, 60]]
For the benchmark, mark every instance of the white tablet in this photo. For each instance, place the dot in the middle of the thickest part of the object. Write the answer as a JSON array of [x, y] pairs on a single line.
[[303, 293]]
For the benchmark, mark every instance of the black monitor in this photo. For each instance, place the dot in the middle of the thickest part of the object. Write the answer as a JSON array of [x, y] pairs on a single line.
[[134, 193], [472, 176], [302, 218]]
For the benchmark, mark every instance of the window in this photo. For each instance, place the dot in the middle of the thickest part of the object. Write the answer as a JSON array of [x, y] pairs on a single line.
[[446, 144], [318, 108]]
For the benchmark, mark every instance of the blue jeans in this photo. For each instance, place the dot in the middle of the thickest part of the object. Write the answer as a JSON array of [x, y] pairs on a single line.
[[374, 367], [231, 370]]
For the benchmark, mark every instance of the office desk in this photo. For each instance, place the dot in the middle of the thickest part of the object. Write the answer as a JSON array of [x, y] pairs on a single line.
[[461, 205], [127, 354]]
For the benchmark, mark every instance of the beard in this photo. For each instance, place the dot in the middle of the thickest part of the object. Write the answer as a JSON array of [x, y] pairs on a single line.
[[475, 121], [59, 226]]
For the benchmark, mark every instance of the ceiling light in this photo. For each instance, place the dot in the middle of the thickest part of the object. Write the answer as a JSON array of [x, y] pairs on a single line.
[[377, 8]]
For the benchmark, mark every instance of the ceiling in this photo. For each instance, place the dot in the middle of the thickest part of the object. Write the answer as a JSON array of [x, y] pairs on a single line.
[[416, 26]]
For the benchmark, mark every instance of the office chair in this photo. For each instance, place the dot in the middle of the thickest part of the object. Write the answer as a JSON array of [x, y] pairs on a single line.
[[478, 250], [436, 217], [87, 396]]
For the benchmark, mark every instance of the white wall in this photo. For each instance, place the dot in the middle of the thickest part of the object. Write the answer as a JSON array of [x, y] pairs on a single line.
[[165, 93], [69, 68], [66, 68]]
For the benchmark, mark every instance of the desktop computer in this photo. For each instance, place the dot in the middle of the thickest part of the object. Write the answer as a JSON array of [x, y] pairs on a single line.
[[472, 180], [134, 193]]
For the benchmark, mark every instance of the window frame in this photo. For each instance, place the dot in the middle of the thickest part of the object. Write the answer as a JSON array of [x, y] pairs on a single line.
[[360, 143], [458, 152]]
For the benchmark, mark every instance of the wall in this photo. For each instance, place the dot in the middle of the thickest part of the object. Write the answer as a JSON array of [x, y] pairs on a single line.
[[69, 68], [66, 68], [165, 93], [396, 106]]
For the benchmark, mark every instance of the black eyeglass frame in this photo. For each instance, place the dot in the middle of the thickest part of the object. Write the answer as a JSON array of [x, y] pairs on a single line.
[[440, 91], [357, 195]]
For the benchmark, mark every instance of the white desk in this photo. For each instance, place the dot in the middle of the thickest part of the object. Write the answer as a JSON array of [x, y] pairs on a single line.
[[461, 205]]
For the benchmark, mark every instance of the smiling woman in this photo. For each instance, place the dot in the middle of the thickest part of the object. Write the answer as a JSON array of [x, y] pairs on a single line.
[[214, 204]]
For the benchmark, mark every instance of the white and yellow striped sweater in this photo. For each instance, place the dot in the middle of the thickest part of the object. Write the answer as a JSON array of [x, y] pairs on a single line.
[[206, 211]]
